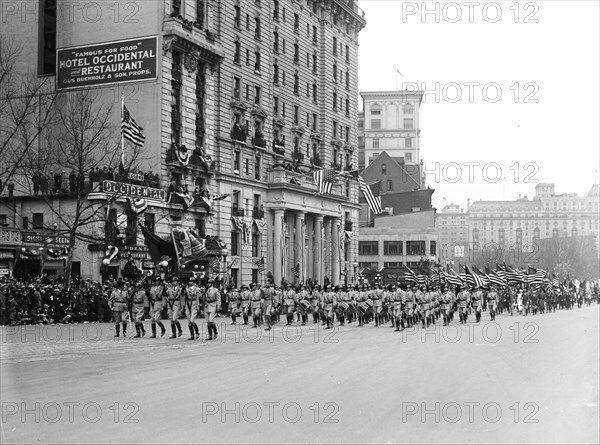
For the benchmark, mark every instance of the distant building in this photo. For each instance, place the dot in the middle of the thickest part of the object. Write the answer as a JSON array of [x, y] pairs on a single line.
[[390, 123], [513, 231], [405, 232]]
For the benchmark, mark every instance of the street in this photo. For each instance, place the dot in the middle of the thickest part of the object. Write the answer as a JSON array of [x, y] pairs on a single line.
[[531, 379]]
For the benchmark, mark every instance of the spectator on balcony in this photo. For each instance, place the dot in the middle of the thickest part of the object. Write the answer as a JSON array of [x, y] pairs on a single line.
[[156, 181], [35, 179], [11, 188], [43, 183]]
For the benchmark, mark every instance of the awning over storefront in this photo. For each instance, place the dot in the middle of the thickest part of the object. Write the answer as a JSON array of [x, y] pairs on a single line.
[[7, 254]]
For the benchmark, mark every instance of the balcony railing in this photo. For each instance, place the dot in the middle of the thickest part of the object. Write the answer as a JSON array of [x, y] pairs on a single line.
[[236, 211], [257, 213], [282, 176]]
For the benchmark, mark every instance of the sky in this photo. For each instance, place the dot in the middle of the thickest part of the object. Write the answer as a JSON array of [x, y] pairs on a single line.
[[512, 91]]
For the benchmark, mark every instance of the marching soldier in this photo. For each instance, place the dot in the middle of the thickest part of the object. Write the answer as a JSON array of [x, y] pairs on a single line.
[[303, 303], [245, 297], [140, 306], [174, 297], [492, 301], [156, 307], [447, 300], [118, 302], [462, 300], [315, 300], [211, 300], [192, 295], [255, 301], [289, 301], [234, 301], [396, 304], [267, 302], [377, 304], [327, 303], [477, 303]]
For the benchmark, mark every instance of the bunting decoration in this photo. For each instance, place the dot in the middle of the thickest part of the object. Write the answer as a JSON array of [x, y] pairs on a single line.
[[182, 154], [187, 198], [248, 228], [209, 201], [324, 180], [138, 205], [260, 224]]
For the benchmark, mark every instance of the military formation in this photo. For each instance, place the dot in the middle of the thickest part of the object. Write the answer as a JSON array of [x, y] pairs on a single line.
[[399, 306]]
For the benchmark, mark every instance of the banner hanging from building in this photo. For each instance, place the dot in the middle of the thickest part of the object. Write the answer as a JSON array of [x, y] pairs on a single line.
[[107, 63]]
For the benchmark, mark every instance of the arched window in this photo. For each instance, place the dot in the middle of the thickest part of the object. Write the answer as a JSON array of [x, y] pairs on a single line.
[[407, 108]]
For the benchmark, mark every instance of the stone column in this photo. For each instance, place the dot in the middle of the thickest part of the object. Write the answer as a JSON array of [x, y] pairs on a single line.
[[326, 270], [318, 250], [310, 227], [299, 237], [335, 252], [269, 254], [277, 246]]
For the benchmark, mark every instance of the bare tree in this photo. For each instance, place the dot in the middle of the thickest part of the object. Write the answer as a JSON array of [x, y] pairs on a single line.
[[85, 136], [26, 110]]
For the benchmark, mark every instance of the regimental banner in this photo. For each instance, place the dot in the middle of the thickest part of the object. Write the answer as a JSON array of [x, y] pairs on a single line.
[[107, 63], [132, 190]]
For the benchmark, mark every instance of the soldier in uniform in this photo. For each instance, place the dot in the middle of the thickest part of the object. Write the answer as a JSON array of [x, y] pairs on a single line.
[[245, 297], [234, 300], [447, 299], [192, 295], [118, 302], [315, 300], [174, 298], [267, 302], [462, 300], [156, 307], [255, 300], [303, 296], [140, 306], [397, 305], [377, 305], [212, 297], [327, 303], [477, 303], [289, 302]]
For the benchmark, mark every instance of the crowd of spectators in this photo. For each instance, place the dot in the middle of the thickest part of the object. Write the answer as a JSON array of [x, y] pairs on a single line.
[[61, 182]]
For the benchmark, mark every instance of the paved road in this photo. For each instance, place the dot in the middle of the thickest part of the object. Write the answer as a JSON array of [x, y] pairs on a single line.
[[521, 380]]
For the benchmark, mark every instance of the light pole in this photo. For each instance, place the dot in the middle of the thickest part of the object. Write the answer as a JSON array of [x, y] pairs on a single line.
[[355, 265]]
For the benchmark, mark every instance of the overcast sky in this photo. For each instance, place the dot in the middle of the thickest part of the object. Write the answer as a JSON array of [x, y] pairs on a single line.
[[521, 99]]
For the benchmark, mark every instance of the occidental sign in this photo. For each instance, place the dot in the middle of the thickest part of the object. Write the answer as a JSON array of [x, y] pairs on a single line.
[[132, 190], [106, 63]]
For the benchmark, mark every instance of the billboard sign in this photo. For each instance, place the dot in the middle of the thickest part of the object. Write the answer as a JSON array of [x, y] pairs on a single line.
[[107, 63]]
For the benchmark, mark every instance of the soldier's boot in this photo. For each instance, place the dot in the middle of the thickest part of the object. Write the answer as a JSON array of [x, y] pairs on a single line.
[[245, 319], [137, 331], [124, 329], [304, 319], [179, 331], [315, 318], [342, 320], [269, 322], [210, 332], [142, 329], [153, 327], [214, 328], [173, 330], [163, 330], [255, 319], [117, 329], [290, 319], [233, 317], [192, 333], [397, 325], [196, 330]]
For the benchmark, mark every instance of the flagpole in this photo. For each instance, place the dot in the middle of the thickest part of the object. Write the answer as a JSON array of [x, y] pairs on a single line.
[[122, 137]]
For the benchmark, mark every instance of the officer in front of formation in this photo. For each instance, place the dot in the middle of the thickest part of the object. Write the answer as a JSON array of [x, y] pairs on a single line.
[[140, 306], [118, 302], [212, 298], [156, 307]]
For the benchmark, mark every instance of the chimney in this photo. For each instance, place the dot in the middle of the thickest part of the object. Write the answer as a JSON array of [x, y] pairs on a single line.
[[468, 204], [461, 210]]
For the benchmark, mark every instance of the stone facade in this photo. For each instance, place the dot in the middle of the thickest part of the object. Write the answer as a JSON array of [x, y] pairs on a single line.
[[217, 65]]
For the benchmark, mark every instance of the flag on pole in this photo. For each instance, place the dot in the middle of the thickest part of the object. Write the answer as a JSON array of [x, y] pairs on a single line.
[[296, 271], [130, 130], [373, 201], [324, 180], [261, 265], [214, 265], [410, 276]]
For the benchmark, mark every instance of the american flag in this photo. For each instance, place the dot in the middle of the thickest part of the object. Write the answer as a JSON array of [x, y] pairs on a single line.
[[130, 130], [214, 265], [296, 271], [373, 201], [452, 278], [410, 276], [324, 180], [260, 264]]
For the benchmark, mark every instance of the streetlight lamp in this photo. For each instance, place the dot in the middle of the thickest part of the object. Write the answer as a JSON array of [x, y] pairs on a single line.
[[355, 265]]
